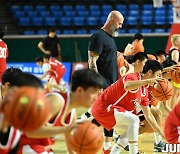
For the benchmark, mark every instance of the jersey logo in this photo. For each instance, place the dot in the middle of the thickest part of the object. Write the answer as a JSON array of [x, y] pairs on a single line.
[[2, 52], [137, 105]]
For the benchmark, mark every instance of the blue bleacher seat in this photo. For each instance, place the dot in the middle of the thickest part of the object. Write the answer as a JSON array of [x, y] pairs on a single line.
[[94, 8], [107, 8], [44, 14], [19, 14], [28, 32], [57, 14], [122, 31], [146, 20], [50, 21], [78, 21], [28, 8], [170, 6], [54, 8], [160, 12], [81, 31], [15, 8], [159, 30], [24, 21], [68, 32], [80, 8], [65, 21], [131, 21], [92, 31], [147, 13], [42, 32], [146, 30], [95, 13], [103, 20], [83, 13], [37, 21], [170, 19], [40, 8], [133, 7], [134, 13], [161, 8], [70, 13], [170, 12], [106, 13], [32, 14], [159, 20], [147, 7], [67, 8], [92, 21], [133, 31], [121, 7]]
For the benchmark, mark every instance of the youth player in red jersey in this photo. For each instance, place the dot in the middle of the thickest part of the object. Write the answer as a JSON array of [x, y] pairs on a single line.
[[53, 70], [121, 101], [3, 54], [85, 86], [9, 136], [172, 126]]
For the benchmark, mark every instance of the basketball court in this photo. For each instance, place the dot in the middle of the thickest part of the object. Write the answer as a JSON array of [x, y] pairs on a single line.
[[146, 141]]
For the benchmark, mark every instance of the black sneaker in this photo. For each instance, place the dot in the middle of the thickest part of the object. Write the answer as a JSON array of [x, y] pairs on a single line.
[[159, 147], [115, 140]]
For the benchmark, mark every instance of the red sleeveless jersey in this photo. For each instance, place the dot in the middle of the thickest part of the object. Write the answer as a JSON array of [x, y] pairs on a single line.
[[115, 96], [58, 69], [60, 120], [13, 136]]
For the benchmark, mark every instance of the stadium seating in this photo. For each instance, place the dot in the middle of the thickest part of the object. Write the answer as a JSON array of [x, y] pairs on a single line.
[[141, 16]]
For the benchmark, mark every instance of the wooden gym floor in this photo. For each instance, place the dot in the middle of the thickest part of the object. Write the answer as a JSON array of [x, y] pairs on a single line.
[[145, 144]]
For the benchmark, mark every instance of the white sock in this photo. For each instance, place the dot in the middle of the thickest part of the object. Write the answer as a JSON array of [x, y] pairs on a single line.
[[107, 145], [133, 148], [120, 145], [157, 137], [116, 149]]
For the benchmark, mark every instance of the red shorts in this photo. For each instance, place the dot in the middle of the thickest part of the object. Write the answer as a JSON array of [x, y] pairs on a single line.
[[33, 149], [171, 132], [105, 118]]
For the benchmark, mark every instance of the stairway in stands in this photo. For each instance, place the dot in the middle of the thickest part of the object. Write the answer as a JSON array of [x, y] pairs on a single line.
[[6, 20]]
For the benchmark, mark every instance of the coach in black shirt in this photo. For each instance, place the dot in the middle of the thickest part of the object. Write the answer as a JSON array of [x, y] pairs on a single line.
[[102, 51], [50, 45]]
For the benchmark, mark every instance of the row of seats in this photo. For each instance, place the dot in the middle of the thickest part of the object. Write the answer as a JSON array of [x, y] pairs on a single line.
[[89, 21], [84, 31], [102, 7], [58, 14]]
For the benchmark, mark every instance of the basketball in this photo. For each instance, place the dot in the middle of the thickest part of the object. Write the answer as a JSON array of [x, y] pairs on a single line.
[[26, 108], [86, 138], [120, 60], [175, 74], [163, 90], [151, 57], [137, 46], [152, 99]]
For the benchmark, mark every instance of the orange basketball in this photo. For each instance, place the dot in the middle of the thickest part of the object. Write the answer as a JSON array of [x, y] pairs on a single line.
[[151, 57], [26, 108], [152, 99], [137, 47], [175, 74], [86, 138], [120, 60], [163, 90]]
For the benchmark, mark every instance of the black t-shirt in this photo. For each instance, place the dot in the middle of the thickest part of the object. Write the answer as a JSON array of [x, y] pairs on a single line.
[[51, 45], [103, 44]]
